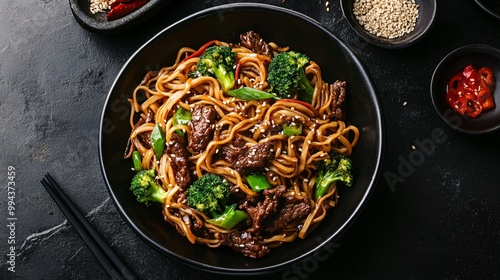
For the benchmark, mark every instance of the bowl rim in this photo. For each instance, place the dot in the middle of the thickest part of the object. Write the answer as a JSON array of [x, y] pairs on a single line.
[[380, 129], [487, 9], [385, 43], [454, 55]]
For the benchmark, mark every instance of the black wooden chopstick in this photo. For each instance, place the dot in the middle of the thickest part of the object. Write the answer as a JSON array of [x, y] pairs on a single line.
[[111, 262]]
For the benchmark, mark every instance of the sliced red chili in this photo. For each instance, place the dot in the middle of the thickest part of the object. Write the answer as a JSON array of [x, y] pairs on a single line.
[[201, 50], [487, 76], [470, 73], [305, 104], [455, 83], [488, 103], [470, 91], [237, 74], [460, 105], [485, 98], [473, 108]]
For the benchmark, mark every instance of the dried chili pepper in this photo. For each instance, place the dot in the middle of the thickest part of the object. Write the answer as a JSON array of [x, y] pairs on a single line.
[[470, 91], [121, 8]]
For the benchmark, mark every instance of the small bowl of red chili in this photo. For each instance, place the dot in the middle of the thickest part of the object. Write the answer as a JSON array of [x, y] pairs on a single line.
[[114, 16], [465, 90]]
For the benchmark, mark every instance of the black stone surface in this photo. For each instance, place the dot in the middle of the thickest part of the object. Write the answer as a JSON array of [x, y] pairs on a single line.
[[440, 221]]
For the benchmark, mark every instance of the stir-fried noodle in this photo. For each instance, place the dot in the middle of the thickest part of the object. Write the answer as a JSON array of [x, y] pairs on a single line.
[[294, 161]]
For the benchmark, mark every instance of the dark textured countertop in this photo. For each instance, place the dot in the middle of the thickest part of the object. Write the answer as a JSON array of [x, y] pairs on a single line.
[[441, 220]]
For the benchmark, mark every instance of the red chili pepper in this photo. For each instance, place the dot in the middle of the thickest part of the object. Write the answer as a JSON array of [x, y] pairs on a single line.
[[460, 105], [453, 88], [237, 74], [116, 2], [124, 8], [473, 108], [455, 83], [470, 73], [305, 104], [470, 91], [201, 50], [485, 98], [487, 76]]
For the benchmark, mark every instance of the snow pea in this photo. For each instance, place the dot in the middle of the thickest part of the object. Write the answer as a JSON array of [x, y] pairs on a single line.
[[158, 140]]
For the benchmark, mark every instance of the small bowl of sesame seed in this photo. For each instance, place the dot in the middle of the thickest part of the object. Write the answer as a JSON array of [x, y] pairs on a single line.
[[390, 24]]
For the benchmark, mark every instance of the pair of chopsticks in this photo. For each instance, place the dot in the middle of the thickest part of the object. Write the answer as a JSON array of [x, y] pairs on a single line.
[[113, 265]]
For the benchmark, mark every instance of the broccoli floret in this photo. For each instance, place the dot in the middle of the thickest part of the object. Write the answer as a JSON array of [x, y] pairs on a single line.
[[146, 189], [336, 168], [210, 194], [229, 218], [218, 61], [286, 73]]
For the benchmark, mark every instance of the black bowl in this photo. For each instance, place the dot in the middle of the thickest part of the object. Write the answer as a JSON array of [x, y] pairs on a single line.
[[492, 7], [479, 56], [284, 27], [99, 24], [425, 21]]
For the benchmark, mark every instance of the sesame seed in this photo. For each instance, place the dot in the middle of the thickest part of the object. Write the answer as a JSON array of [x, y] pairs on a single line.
[[387, 18], [99, 6]]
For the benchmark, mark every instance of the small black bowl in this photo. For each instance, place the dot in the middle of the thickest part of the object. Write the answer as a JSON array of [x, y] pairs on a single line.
[[99, 24], [286, 28], [492, 7], [427, 11], [479, 56]]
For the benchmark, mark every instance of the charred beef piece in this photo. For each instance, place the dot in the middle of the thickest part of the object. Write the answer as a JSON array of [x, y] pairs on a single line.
[[149, 75], [202, 127], [265, 208], [256, 158], [291, 209], [252, 40], [246, 243], [241, 197], [178, 156], [337, 90], [231, 152], [199, 229], [146, 136], [274, 212]]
